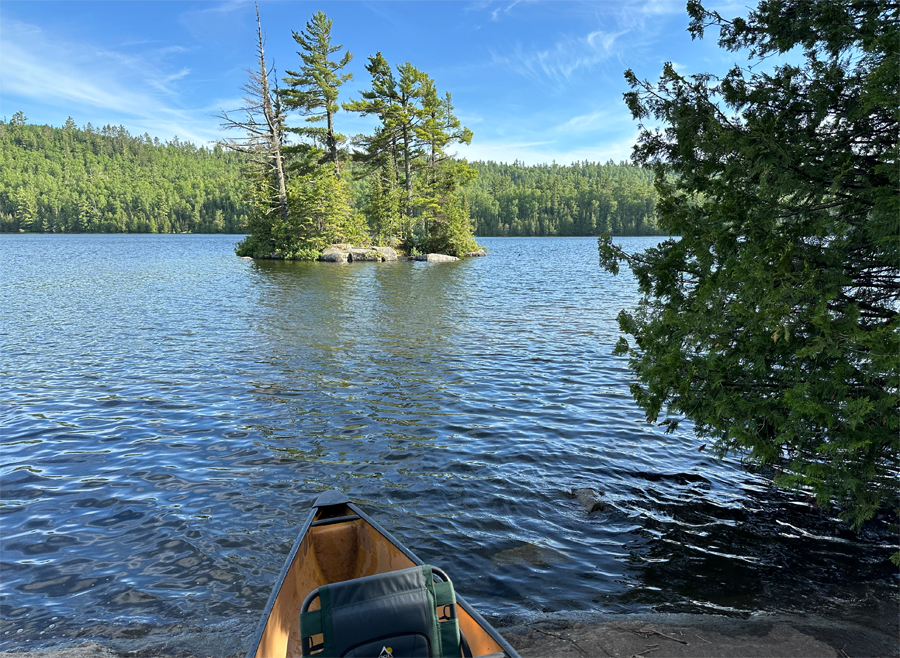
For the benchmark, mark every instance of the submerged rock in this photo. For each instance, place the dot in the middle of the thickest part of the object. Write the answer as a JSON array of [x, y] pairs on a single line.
[[476, 254], [590, 499], [536, 556]]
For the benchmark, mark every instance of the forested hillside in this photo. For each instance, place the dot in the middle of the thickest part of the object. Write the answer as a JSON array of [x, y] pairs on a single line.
[[584, 198], [73, 180], [76, 180]]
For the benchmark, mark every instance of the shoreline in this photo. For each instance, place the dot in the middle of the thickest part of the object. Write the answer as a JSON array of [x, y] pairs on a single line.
[[874, 633]]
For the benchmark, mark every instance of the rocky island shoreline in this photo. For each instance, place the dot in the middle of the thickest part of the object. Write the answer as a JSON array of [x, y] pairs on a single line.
[[347, 253]]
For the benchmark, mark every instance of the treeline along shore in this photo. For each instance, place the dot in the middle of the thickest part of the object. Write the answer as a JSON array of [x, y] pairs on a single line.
[[105, 180], [585, 198]]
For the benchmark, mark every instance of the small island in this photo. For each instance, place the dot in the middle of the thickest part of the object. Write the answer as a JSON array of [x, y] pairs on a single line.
[[301, 177]]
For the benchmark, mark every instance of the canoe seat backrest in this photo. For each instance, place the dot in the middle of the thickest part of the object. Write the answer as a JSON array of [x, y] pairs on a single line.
[[394, 614]]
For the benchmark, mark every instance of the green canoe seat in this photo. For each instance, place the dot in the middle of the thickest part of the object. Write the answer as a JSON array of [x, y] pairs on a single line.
[[399, 614]]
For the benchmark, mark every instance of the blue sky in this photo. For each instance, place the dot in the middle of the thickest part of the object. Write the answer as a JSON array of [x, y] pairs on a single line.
[[535, 81]]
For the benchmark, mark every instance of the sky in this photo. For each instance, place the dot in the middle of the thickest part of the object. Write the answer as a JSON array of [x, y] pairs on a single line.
[[536, 81]]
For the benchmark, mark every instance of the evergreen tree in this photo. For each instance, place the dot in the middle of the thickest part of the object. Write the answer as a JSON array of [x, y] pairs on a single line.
[[383, 206], [26, 209], [584, 198], [416, 127], [446, 215], [773, 322], [379, 150], [320, 215], [408, 114], [313, 90], [379, 153]]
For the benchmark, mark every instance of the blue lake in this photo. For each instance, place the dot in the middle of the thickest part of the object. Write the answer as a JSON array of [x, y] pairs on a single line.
[[169, 412]]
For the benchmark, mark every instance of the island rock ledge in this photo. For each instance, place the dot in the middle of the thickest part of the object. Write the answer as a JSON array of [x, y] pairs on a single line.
[[347, 253], [344, 253], [436, 258]]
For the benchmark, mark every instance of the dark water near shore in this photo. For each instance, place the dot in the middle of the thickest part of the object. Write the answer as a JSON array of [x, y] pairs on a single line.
[[169, 412]]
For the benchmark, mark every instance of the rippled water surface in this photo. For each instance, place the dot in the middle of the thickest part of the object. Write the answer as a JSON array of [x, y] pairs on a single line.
[[169, 412]]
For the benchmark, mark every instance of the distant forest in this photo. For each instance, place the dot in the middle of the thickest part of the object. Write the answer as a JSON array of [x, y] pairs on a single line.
[[90, 180], [584, 198], [105, 180]]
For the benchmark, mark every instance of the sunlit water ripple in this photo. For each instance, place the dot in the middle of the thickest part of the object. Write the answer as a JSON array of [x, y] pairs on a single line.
[[169, 411]]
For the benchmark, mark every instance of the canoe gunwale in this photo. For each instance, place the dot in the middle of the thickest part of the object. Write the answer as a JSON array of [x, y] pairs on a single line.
[[285, 570], [338, 500]]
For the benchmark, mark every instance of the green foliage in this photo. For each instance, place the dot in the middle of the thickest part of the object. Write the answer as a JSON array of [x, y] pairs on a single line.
[[70, 180], [584, 198], [380, 150], [403, 182], [314, 90], [320, 214], [451, 231], [416, 182], [773, 322], [383, 206]]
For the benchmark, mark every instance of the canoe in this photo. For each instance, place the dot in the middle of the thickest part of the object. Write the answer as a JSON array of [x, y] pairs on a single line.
[[339, 542]]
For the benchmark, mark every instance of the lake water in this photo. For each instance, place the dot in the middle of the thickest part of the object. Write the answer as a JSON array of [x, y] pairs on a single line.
[[169, 412]]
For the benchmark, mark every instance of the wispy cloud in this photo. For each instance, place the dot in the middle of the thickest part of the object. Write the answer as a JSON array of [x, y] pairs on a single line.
[[163, 83], [108, 85], [505, 8], [622, 30], [36, 66], [555, 65], [216, 19], [545, 152], [600, 120]]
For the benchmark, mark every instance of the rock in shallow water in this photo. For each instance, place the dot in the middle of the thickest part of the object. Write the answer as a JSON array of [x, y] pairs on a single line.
[[436, 258], [590, 499], [536, 556]]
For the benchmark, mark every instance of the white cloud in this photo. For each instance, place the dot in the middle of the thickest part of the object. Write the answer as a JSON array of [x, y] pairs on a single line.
[[599, 120], [36, 71], [624, 29], [545, 152], [139, 91], [603, 41], [495, 15], [657, 7], [555, 65], [216, 20], [163, 83]]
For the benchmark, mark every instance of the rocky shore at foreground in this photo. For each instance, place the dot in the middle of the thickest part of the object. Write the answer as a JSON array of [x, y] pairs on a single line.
[[615, 636]]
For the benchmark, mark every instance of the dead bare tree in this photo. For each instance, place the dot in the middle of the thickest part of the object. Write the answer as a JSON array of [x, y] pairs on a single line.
[[262, 122]]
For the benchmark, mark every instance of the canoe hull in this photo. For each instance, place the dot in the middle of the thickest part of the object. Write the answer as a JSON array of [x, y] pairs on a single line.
[[339, 542]]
